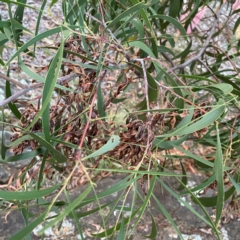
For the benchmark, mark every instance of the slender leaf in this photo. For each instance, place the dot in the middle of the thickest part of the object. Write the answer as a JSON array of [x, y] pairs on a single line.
[[110, 145], [58, 157], [23, 196], [29, 228], [68, 209], [218, 169]]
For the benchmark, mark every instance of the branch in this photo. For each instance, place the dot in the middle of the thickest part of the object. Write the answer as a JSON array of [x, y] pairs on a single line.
[[205, 45], [61, 81], [3, 76]]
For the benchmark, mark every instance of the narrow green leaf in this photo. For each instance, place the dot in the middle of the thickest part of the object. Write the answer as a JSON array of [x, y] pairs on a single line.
[[209, 222], [82, 28], [74, 11], [25, 215], [228, 80], [39, 19], [224, 87], [235, 184], [146, 201], [185, 52], [163, 144], [3, 39], [52, 3], [142, 46], [187, 205], [39, 78], [165, 49], [218, 169], [18, 3], [14, 36], [3, 147], [152, 173], [201, 186], [34, 40], [154, 231], [29, 228], [11, 105], [18, 15], [84, 214], [26, 155], [123, 184], [51, 80], [197, 158], [174, 22], [236, 25], [179, 103], [146, 19], [139, 26], [110, 231], [49, 85], [100, 99], [185, 120], [127, 13], [68, 209], [110, 145], [183, 182], [168, 216], [100, 102], [121, 234], [30, 195], [212, 201], [175, 8], [58, 157], [118, 100], [152, 88], [92, 62], [5, 24]]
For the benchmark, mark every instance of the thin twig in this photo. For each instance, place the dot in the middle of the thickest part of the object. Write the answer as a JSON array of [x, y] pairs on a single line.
[[111, 34], [205, 65], [227, 56], [178, 96], [61, 81]]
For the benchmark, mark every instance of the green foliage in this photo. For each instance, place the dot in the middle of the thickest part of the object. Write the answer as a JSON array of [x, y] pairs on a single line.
[[82, 128]]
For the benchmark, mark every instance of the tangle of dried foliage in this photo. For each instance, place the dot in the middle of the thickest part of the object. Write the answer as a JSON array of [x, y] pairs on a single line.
[[68, 119]]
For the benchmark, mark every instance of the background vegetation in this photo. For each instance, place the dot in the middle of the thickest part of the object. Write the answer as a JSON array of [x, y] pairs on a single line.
[[133, 87]]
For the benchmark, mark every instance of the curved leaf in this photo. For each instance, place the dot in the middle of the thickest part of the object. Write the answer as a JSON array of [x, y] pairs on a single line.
[[174, 22]]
